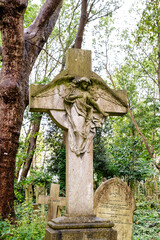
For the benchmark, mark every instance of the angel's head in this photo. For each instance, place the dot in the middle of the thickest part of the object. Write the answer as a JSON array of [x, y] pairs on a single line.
[[83, 82]]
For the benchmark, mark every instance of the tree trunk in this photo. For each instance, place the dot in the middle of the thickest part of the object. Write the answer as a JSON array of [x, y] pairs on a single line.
[[12, 101], [32, 146], [83, 21], [19, 52]]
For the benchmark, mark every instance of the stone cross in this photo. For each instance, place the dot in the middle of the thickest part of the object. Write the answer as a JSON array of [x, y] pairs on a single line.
[[54, 201], [78, 100]]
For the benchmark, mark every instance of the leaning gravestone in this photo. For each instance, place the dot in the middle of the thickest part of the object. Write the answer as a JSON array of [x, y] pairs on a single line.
[[114, 200], [78, 101]]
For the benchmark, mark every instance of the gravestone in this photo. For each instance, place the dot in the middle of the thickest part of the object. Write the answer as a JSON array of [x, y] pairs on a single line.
[[39, 191], [78, 101], [53, 201], [114, 200], [28, 193]]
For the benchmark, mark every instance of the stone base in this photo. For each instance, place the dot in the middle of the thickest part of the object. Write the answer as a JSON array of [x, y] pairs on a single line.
[[80, 228]]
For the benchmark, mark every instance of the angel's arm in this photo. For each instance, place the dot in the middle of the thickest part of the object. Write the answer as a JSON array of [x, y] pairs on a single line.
[[72, 96], [96, 106]]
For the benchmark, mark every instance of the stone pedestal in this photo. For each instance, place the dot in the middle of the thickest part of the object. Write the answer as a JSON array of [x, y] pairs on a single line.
[[80, 228]]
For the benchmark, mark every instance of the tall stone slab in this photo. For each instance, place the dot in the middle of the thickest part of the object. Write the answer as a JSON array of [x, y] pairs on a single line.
[[114, 200], [78, 101]]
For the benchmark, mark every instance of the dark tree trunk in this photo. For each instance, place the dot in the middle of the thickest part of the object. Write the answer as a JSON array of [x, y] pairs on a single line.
[[19, 52], [83, 21]]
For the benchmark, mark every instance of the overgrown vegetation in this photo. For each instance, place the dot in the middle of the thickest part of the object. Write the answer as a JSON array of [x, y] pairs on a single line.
[[30, 224], [146, 221]]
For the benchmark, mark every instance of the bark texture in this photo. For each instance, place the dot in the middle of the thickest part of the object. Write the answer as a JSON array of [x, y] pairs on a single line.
[[35, 125], [19, 52], [83, 21]]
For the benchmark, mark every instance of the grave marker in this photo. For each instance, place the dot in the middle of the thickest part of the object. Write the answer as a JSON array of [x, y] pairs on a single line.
[[28, 193], [114, 200], [78, 101], [54, 201]]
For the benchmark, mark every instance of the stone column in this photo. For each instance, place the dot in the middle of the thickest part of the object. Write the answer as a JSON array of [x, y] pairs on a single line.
[[79, 182]]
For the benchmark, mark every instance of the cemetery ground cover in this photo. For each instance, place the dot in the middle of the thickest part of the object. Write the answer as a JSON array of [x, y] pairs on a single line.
[[31, 224], [146, 220]]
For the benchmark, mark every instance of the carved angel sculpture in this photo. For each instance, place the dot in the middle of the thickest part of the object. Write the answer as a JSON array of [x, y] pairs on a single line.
[[80, 106]]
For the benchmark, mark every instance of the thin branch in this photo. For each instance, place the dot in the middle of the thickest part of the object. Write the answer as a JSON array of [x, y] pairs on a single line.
[[77, 5], [90, 9], [101, 16], [107, 70], [149, 75], [59, 37], [140, 133], [41, 48], [155, 68], [143, 137]]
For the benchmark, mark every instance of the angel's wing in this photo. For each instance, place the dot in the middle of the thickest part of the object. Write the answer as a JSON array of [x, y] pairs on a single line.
[[107, 101]]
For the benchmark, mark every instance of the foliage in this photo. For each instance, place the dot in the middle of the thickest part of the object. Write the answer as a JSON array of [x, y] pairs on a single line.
[[56, 162], [40, 178], [30, 13], [128, 154], [29, 225], [146, 221], [19, 191], [103, 167]]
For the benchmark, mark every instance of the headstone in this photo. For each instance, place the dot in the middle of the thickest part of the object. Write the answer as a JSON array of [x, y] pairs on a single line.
[[115, 201], [78, 101], [39, 191], [28, 193], [53, 201]]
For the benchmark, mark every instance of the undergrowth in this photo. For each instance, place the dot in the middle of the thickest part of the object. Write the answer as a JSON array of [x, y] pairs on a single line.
[[146, 221], [30, 225]]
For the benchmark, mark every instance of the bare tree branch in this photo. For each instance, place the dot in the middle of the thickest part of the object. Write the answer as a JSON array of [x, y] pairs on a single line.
[[77, 5], [41, 48], [90, 9], [155, 68], [149, 75], [143, 137], [140, 133]]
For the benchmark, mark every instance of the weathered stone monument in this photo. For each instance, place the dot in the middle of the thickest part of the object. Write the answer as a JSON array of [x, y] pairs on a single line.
[[114, 200], [78, 101], [28, 193]]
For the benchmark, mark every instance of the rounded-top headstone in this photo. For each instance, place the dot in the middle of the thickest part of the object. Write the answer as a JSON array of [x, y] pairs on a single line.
[[114, 201]]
